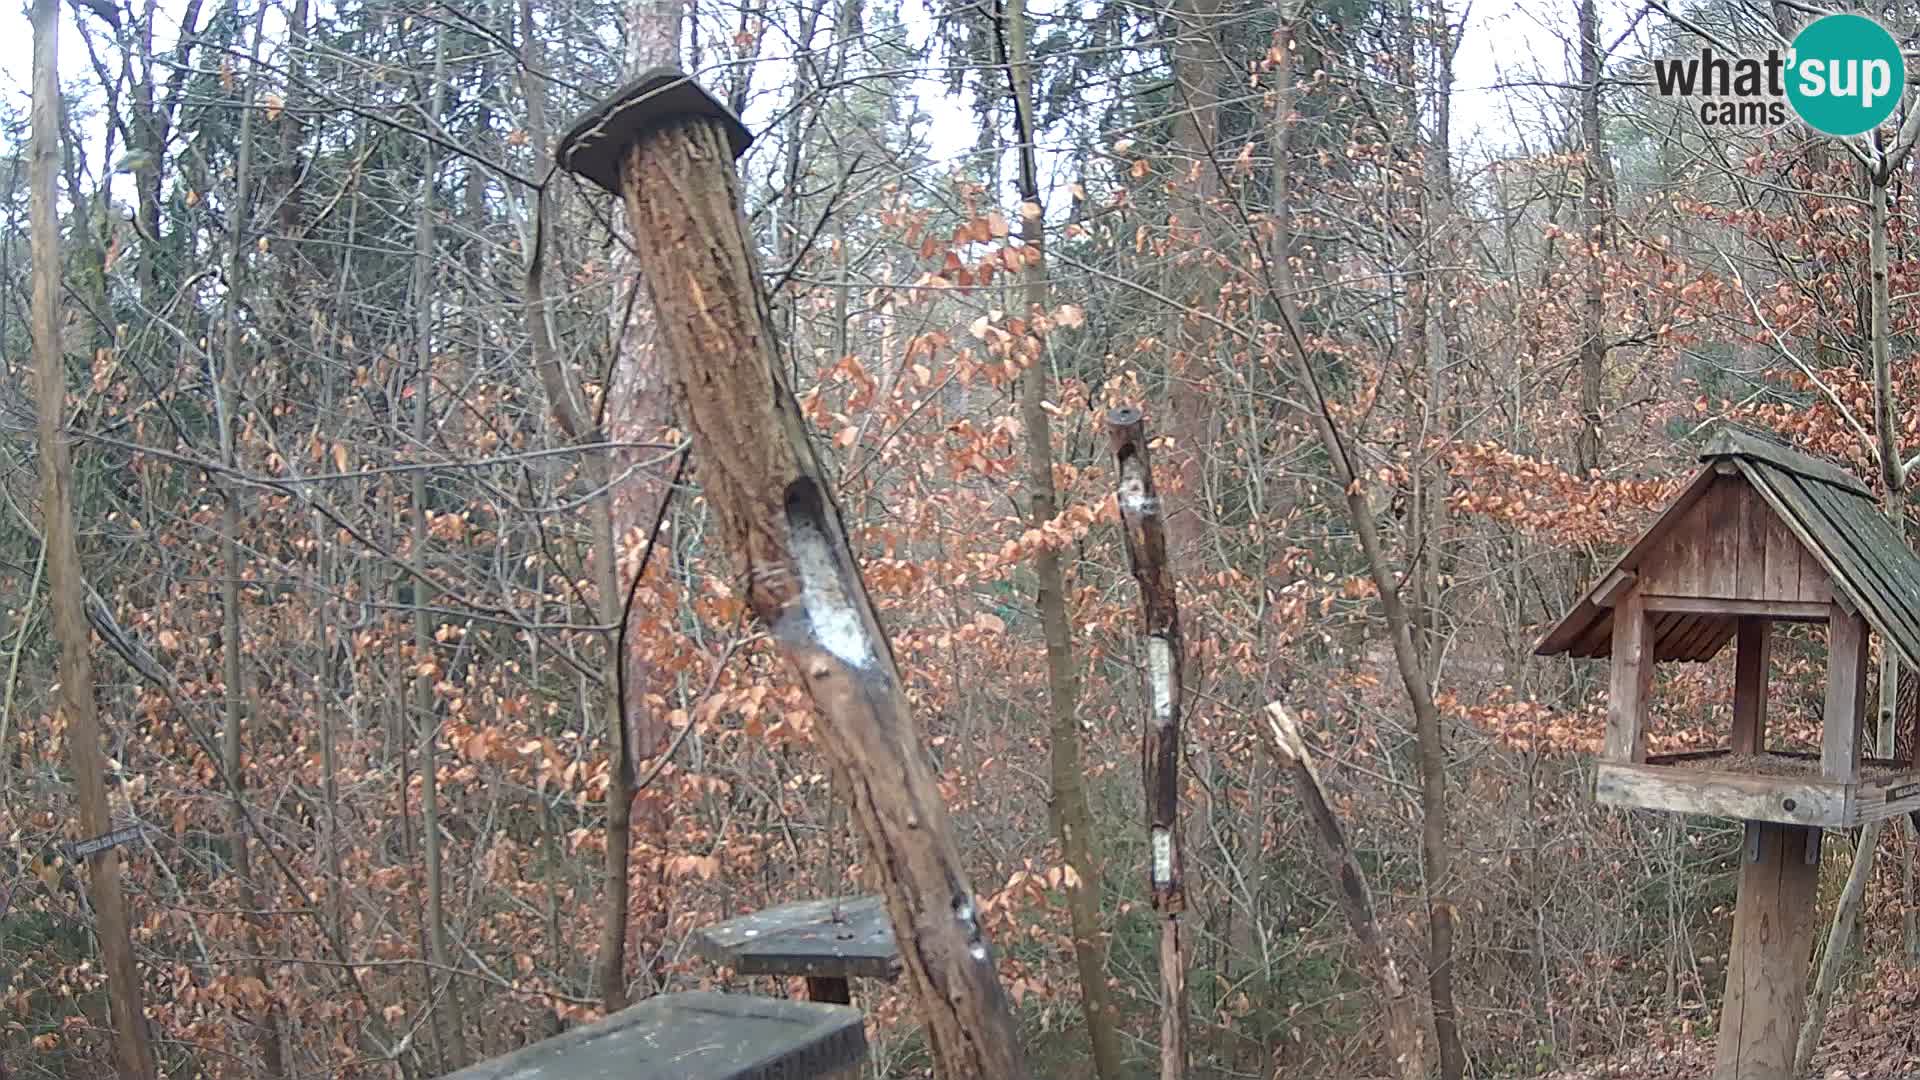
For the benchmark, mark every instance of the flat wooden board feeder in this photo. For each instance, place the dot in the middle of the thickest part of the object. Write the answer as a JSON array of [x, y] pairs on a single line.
[[1764, 534], [827, 941], [695, 1036]]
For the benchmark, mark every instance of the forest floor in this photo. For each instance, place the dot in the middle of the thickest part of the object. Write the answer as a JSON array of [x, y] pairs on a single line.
[[1872, 1034]]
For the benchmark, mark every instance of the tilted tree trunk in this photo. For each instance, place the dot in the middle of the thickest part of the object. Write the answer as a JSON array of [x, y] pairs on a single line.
[[1146, 542], [1356, 899], [773, 511], [74, 707], [1072, 818]]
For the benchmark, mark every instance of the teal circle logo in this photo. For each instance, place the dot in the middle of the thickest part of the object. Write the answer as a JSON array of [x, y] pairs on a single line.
[[1845, 74]]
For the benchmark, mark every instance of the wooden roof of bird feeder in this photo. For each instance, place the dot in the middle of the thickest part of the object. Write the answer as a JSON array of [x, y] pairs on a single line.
[[1763, 534]]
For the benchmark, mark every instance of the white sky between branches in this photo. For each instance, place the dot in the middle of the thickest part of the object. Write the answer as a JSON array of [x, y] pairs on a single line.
[[1505, 42]]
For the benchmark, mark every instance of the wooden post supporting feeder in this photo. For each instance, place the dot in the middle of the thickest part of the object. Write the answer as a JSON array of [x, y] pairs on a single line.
[[666, 147], [1764, 534]]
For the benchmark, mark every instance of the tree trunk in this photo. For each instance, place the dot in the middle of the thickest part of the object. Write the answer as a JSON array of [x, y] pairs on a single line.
[[266, 1025], [1436, 853], [1197, 62], [1356, 899], [1072, 818], [74, 707], [772, 510], [1597, 184], [426, 671], [1160, 747]]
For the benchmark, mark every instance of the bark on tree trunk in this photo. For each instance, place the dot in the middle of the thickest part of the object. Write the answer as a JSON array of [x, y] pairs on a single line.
[[266, 1025], [774, 513], [1160, 746], [1595, 201], [74, 707], [426, 715], [1356, 900], [1197, 62], [1072, 819]]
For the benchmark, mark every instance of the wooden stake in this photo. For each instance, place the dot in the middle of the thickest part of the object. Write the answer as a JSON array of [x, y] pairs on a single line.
[[674, 146], [1145, 533], [1766, 996]]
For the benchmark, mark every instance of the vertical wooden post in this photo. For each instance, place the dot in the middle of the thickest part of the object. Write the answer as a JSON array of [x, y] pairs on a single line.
[[1632, 673], [1145, 533], [829, 989], [1766, 997], [1845, 717], [1752, 657], [667, 146]]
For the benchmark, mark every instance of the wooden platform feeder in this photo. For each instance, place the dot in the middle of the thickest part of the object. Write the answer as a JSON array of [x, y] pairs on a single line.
[[1764, 534], [696, 1036], [826, 941]]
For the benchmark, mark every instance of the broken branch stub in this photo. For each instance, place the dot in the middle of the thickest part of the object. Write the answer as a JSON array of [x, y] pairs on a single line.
[[775, 514]]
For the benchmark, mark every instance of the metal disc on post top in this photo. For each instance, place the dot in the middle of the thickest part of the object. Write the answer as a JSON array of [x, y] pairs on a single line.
[[598, 141]]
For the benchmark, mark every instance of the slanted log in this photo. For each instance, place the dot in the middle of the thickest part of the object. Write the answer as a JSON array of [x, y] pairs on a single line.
[[1404, 1036], [1145, 533], [674, 146]]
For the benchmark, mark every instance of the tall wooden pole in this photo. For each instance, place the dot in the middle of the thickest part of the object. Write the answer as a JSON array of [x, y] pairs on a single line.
[[75, 705], [667, 147], [1145, 532]]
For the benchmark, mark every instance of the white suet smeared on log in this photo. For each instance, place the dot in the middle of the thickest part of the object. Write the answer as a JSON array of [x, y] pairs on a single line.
[[1134, 499], [833, 622], [1162, 843], [1160, 674]]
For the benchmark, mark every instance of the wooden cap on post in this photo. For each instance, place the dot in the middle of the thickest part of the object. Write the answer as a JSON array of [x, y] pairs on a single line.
[[595, 145]]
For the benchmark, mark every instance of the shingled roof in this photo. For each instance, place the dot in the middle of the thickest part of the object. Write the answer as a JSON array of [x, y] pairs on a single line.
[[1830, 511]]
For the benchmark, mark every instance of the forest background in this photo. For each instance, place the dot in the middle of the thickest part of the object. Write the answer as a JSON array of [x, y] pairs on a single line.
[[363, 491]]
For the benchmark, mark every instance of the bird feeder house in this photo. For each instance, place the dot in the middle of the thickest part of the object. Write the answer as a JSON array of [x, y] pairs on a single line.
[[1764, 534]]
